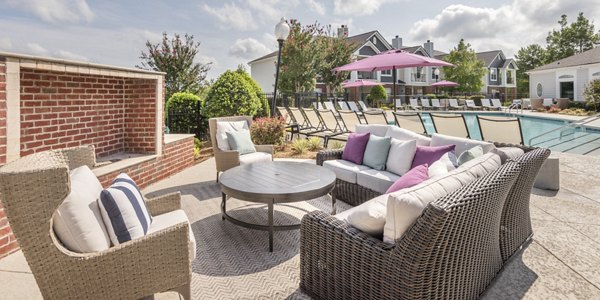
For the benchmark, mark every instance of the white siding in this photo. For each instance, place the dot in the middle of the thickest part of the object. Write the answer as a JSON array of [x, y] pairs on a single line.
[[582, 80], [264, 73], [549, 84]]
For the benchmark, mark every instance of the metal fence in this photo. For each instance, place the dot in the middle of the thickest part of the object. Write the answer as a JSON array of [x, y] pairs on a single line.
[[187, 120]]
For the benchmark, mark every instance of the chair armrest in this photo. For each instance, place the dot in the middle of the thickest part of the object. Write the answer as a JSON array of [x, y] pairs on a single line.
[[523, 147], [324, 155], [264, 148], [164, 204], [226, 160]]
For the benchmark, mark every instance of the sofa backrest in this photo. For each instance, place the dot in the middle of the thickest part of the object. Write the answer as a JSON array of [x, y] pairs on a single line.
[[452, 250], [394, 132], [462, 144]]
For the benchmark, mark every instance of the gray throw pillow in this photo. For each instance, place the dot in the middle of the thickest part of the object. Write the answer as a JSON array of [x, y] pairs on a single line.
[[376, 152], [240, 141], [470, 154]]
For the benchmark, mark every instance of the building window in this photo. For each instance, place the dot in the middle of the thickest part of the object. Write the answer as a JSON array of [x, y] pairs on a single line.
[[386, 73], [493, 74], [539, 90], [510, 78], [374, 40], [417, 74], [596, 74]]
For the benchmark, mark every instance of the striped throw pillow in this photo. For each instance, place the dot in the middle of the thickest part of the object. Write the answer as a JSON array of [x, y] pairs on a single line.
[[124, 210]]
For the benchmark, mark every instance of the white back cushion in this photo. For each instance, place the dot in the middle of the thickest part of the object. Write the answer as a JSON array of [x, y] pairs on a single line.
[[369, 217], [228, 126], [407, 135], [406, 205], [401, 156], [77, 221], [462, 144], [375, 129], [124, 210]]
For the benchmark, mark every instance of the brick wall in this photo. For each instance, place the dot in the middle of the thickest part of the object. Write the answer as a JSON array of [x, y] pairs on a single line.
[[2, 111], [176, 157], [140, 110]]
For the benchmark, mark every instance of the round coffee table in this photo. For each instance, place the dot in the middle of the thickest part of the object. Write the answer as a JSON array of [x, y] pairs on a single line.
[[272, 183]]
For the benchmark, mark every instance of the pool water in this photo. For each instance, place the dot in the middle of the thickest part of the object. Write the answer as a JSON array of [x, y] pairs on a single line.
[[580, 140]]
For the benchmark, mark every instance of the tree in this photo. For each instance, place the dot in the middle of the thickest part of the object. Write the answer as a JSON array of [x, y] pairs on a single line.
[[571, 39], [299, 58], [264, 103], [591, 94], [528, 58], [186, 105], [335, 52], [231, 95], [468, 70], [175, 57], [377, 94]]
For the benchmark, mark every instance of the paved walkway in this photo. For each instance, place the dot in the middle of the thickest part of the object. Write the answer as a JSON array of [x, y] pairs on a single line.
[[562, 262]]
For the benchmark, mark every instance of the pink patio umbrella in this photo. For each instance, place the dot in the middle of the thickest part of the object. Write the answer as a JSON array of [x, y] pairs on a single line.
[[359, 83], [392, 60], [445, 83]]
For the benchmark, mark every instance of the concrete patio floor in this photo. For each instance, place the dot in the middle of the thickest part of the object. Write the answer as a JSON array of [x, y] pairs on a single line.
[[562, 261]]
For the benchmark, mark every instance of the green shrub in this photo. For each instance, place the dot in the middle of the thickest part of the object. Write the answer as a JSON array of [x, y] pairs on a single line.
[[314, 143], [591, 94], [268, 131], [264, 103], [431, 96], [337, 145], [300, 146], [231, 95], [377, 94], [184, 104]]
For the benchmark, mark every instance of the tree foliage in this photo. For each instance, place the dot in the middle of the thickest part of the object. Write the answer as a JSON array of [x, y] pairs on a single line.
[[528, 58], [468, 70], [591, 94], [335, 52], [231, 95], [572, 38], [175, 57], [185, 105], [264, 103], [377, 94]]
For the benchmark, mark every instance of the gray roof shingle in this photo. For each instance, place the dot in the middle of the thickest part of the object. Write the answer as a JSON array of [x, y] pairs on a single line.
[[591, 56]]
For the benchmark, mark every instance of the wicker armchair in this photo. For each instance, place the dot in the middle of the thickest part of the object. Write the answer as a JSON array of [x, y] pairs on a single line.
[[451, 252], [32, 189], [226, 160]]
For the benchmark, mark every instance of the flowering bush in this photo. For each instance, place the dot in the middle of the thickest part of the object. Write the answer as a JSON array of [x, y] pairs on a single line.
[[554, 109], [268, 131]]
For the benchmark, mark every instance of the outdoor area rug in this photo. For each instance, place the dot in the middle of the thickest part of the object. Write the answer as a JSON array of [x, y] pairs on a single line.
[[233, 262]]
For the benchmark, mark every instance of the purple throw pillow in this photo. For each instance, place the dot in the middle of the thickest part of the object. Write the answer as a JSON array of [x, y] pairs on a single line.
[[430, 154], [355, 147], [411, 178]]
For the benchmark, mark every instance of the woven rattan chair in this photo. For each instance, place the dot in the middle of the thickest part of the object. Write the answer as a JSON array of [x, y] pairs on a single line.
[[450, 124], [500, 129], [411, 121], [226, 160], [451, 252], [32, 189]]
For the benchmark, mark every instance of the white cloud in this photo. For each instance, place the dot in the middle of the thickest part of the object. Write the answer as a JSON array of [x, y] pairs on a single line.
[[5, 44], [248, 48], [203, 59], [358, 7], [507, 27], [70, 55], [54, 11], [232, 16], [316, 7], [37, 49]]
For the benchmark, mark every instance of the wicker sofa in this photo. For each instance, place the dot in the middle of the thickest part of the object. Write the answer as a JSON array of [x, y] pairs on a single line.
[[32, 189], [454, 249]]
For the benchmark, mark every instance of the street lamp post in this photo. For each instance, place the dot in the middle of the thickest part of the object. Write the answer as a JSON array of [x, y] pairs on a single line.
[[436, 72], [282, 30]]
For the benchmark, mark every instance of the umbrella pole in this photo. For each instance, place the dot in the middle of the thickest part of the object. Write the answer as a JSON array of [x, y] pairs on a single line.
[[394, 87]]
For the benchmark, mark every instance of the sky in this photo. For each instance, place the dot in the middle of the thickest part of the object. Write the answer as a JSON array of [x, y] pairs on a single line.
[[233, 32]]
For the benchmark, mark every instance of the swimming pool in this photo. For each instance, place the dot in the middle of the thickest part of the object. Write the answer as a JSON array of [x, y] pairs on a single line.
[[580, 140]]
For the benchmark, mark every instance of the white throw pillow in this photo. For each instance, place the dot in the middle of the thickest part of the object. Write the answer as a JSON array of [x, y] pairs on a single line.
[[407, 135], [462, 144], [78, 222], [442, 166], [124, 210], [401, 156], [227, 126], [369, 217], [406, 205]]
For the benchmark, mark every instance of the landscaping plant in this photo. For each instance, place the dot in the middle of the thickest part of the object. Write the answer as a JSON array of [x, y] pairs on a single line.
[[337, 145], [377, 94], [185, 105], [314, 143], [300, 146], [264, 110], [268, 131], [231, 95], [591, 94]]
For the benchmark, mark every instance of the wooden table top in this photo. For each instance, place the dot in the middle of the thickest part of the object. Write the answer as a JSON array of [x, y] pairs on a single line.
[[278, 181]]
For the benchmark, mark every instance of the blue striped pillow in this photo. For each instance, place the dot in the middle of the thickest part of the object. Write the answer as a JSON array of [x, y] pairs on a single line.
[[124, 210]]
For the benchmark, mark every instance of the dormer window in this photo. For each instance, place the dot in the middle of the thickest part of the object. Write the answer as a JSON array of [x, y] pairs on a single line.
[[493, 74], [374, 40]]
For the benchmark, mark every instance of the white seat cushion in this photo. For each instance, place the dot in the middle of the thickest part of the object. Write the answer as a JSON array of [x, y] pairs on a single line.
[[462, 144], [255, 157], [375, 129], [169, 219], [344, 170], [124, 210], [228, 126], [78, 222], [379, 181], [406, 205], [407, 135], [401, 156], [507, 153], [369, 217]]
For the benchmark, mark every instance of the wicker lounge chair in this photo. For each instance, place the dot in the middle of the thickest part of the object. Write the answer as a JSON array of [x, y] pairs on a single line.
[[500, 129], [411, 121], [225, 160], [34, 186], [375, 117], [450, 124]]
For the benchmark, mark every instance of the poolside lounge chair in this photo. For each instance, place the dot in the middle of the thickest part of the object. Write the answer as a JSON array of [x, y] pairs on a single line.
[[498, 105], [450, 124], [349, 120], [343, 105], [548, 102], [425, 104], [312, 118], [399, 103], [353, 106], [411, 121], [291, 124], [500, 129], [471, 105], [454, 104], [34, 187], [435, 103], [333, 130], [487, 104], [317, 105], [414, 104], [375, 117], [526, 103]]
